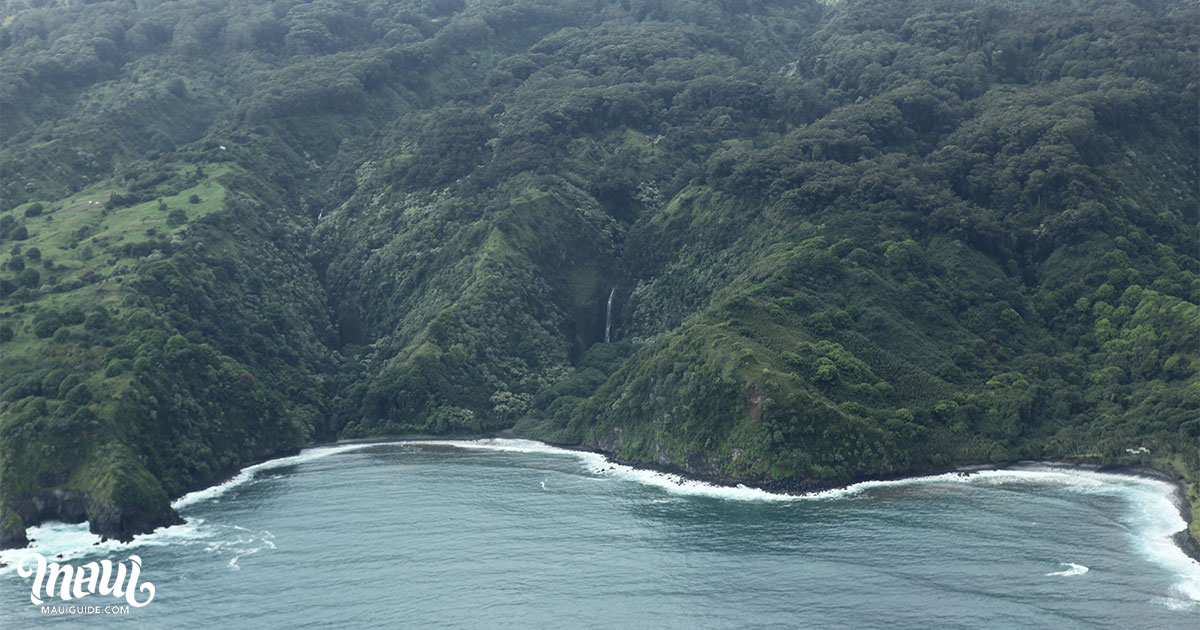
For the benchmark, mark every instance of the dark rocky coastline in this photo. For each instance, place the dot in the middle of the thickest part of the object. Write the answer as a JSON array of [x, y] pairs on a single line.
[[123, 524], [1183, 539], [106, 519]]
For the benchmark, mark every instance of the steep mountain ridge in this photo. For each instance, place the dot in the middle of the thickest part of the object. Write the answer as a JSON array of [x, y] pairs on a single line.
[[842, 241]]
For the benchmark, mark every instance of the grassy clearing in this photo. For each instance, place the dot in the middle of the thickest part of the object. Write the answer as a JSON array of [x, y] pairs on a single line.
[[82, 260]]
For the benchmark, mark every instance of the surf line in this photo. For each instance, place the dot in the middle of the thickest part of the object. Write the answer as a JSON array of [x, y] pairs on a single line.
[[1156, 536]]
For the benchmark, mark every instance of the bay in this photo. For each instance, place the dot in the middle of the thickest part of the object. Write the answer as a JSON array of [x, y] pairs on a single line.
[[516, 534]]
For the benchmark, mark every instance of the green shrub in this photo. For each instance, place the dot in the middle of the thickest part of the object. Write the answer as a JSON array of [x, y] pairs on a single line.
[[29, 278], [116, 367], [81, 394], [46, 328], [97, 318]]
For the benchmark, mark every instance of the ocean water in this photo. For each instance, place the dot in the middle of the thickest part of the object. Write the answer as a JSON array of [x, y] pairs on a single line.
[[516, 534]]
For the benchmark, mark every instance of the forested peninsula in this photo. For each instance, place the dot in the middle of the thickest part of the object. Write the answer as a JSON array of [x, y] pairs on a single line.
[[785, 243]]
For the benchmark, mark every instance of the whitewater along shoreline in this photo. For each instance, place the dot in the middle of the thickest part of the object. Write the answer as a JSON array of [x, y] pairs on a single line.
[[791, 487], [1183, 538], [796, 487]]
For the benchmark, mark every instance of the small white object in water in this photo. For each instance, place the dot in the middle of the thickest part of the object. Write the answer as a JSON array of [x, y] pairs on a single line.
[[543, 485], [1075, 569]]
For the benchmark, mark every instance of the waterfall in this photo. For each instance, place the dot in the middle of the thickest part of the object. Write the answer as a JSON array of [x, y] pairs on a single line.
[[608, 317]]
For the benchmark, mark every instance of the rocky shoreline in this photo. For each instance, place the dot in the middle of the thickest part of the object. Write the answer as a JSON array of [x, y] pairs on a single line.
[[106, 519], [111, 522], [1182, 539]]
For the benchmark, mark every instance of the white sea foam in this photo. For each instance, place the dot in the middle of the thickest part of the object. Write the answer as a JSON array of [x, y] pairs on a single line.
[[509, 445], [1078, 479], [248, 473], [1153, 519], [64, 542], [1072, 569], [1156, 520], [67, 541], [598, 464]]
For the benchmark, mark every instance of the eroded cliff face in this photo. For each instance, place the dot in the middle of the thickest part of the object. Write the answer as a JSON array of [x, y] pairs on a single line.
[[68, 506], [105, 519]]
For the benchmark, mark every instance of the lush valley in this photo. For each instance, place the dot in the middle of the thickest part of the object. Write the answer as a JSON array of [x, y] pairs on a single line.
[[836, 241]]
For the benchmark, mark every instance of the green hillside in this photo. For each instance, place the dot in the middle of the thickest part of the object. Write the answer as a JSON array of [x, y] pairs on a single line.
[[841, 240]]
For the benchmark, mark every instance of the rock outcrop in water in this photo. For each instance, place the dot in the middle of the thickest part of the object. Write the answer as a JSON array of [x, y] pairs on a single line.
[[123, 523]]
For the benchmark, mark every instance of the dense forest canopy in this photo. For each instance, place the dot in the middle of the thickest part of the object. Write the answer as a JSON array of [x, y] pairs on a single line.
[[841, 239]]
